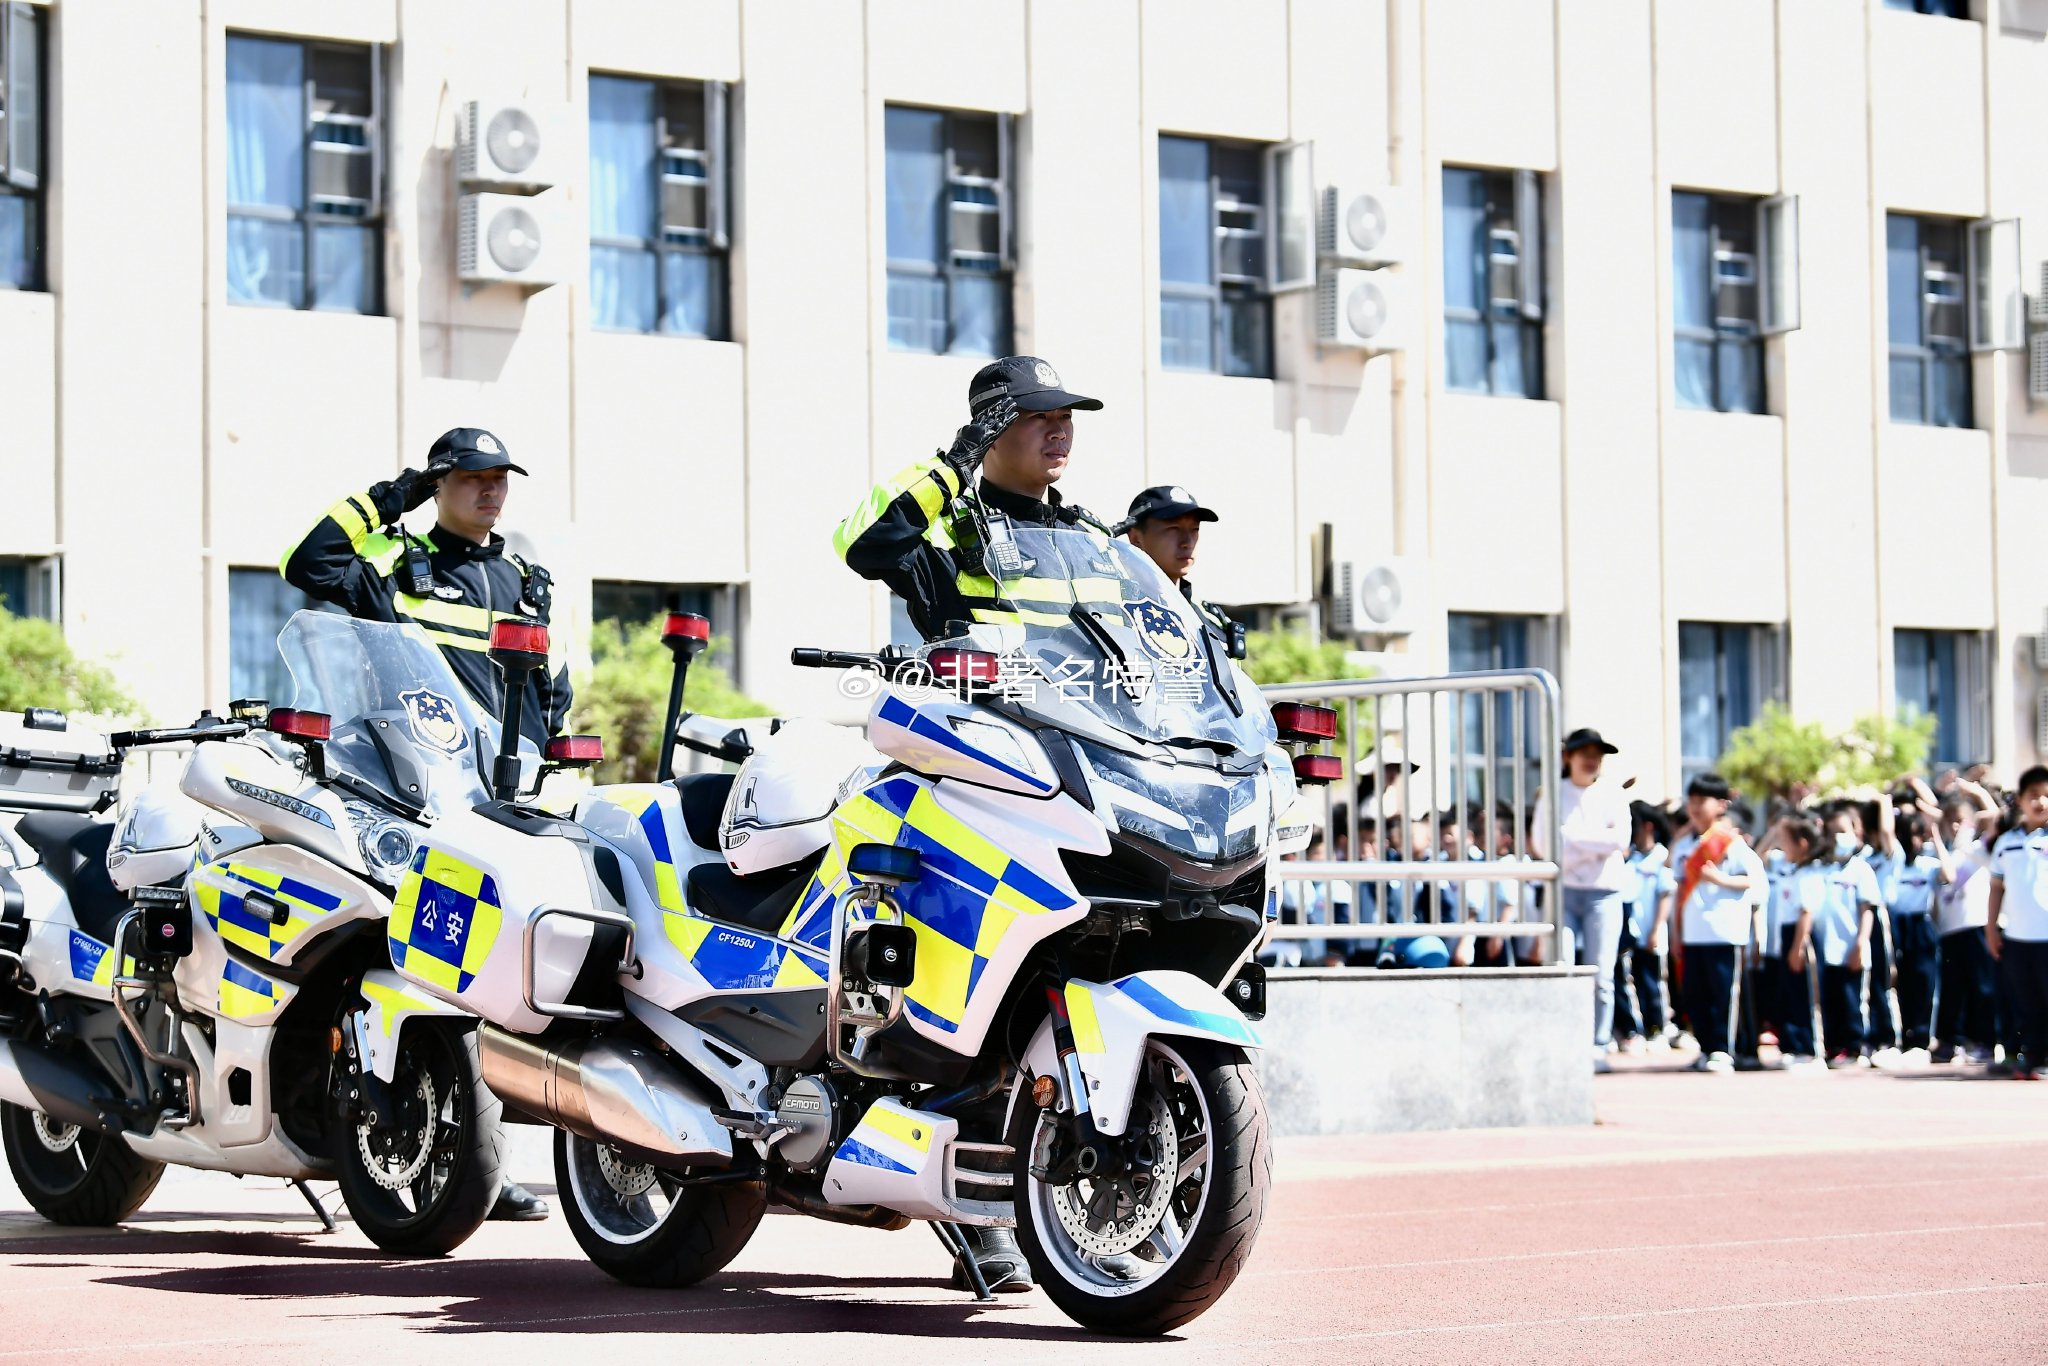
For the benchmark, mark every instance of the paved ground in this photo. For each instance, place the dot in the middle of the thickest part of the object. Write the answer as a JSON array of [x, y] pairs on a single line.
[[1859, 1217]]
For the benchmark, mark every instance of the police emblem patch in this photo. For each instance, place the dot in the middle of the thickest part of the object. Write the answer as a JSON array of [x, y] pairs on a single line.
[[1046, 375], [1161, 630], [435, 722], [488, 444]]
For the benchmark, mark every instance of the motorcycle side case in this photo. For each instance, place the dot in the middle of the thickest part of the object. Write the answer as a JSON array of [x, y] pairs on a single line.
[[476, 892]]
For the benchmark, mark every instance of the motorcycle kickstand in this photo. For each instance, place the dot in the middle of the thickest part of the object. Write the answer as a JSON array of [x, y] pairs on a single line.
[[956, 1243], [326, 1219]]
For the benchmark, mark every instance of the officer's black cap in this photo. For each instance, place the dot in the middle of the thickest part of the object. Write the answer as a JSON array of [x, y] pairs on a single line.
[[1027, 381], [473, 449], [1166, 502]]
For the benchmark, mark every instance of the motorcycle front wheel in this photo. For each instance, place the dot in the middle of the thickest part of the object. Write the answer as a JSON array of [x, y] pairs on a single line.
[[419, 1180], [1150, 1242], [648, 1226]]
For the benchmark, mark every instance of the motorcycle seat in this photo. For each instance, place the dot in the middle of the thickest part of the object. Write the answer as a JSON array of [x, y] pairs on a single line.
[[758, 902], [703, 796], [74, 853]]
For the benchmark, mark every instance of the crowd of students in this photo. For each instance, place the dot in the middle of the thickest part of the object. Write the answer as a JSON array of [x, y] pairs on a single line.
[[1903, 931]]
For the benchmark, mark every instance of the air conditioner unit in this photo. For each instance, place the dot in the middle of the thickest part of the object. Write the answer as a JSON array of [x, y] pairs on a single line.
[[1367, 309], [509, 239], [1361, 225], [1383, 598], [518, 147]]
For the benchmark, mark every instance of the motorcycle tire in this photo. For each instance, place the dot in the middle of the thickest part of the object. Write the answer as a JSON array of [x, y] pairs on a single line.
[[71, 1175], [428, 1193], [640, 1227], [1202, 1090]]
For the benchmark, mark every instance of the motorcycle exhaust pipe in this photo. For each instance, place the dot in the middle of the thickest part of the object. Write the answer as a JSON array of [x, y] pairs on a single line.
[[37, 1079], [609, 1092]]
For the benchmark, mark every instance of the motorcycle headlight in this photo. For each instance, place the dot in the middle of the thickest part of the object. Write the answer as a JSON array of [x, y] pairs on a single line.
[[1201, 813], [385, 844]]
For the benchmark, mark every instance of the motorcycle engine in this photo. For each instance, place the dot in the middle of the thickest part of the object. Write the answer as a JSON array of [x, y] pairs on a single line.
[[817, 1119]]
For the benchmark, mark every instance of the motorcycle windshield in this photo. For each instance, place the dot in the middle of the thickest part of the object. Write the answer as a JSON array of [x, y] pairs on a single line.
[[1107, 636], [401, 719]]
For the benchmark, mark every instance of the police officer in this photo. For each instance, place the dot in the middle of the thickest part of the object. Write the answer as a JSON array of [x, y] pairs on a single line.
[[452, 583], [912, 532], [1165, 522]]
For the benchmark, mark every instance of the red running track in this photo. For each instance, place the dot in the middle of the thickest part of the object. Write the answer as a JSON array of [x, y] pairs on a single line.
[[1849, 1217]]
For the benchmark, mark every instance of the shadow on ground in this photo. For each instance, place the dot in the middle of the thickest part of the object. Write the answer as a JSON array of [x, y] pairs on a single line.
[[538, 1295]]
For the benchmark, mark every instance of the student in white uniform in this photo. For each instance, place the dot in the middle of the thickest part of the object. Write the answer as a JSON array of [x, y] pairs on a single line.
[[1797, 888], [1593, 831], [1965, 1020], [1640, 1010], [2016, 931], [1922, 866], [1718, 874], [1842, 927]]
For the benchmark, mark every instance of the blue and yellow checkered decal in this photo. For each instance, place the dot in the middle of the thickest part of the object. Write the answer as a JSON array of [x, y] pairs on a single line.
[[224, 906], [445, 920], [970, 894], [860, 1154], [244, 993]]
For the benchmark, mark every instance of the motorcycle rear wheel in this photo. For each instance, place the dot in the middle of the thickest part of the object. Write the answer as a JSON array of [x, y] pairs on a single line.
[[1142, 1250], [421, 1191], [71, 1175], [641, 1225]]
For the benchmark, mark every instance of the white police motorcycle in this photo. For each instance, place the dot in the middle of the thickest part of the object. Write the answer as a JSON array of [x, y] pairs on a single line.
[[990, 966], [208, 983]]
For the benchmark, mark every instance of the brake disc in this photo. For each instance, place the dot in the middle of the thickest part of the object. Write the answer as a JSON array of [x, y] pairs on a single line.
[[627, 1178], [56, 1137], [1128, 1204], [381, 1168]]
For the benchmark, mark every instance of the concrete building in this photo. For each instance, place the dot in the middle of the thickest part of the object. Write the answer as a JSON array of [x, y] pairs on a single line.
[[1588, 454]]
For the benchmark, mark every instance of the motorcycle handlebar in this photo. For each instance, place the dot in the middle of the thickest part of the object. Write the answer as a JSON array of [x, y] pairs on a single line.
[[136, 739], [806, 658]]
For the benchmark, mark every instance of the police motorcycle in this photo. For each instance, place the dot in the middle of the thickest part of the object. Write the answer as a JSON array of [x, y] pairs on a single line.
[[208, 982], [989, 966]]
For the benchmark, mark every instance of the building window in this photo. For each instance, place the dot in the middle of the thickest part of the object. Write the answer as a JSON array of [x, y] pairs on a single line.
[[659, 154], [1927, 281], [1215, 308], [1725, 675], [1946, 675], [1715, 301], [304, 173], [21, 147], [1493, 281], [260, 602], [1945, 9], [949, 207], [1486, 643], [29, 586]]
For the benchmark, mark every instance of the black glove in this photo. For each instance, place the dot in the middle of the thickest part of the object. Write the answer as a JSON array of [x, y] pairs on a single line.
[[396, 497], [971, 442]]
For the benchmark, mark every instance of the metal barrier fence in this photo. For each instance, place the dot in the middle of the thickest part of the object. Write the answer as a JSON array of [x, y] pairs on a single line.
[[1458, 780]]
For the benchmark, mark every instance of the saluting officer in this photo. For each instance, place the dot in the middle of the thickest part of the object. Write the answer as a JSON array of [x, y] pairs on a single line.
[[1165, 522], [452, 583], [907, 531]]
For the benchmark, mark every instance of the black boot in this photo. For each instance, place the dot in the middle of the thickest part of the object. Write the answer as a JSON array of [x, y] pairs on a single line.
[[517, 1205], [1000, 1259]]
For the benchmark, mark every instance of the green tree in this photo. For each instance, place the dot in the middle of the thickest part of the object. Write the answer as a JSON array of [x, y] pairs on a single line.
[[1877, 751], [38, 669], [1776, 755], [623, 696], [1275, 657]]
